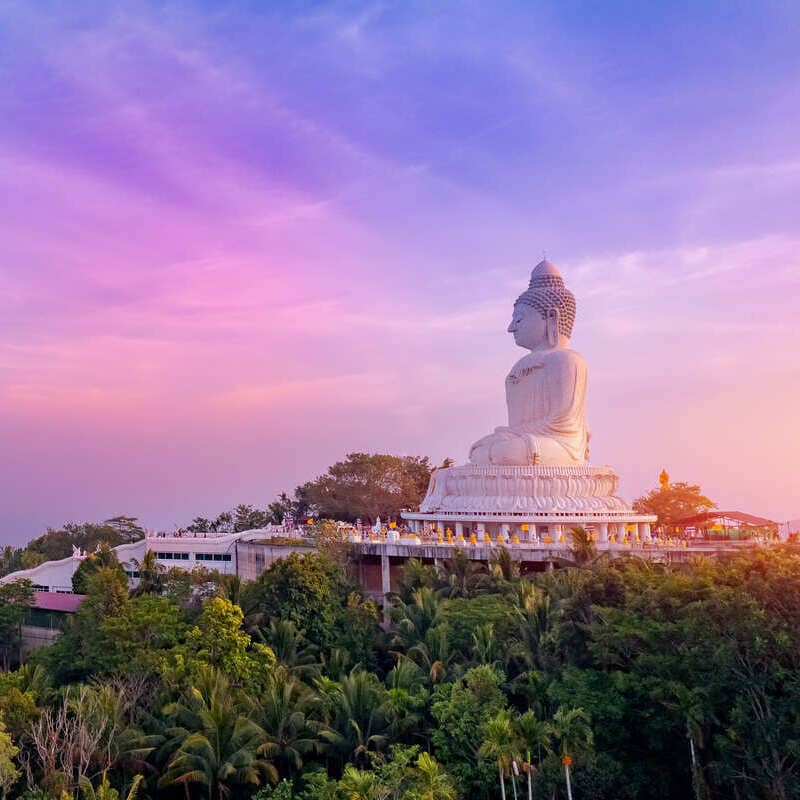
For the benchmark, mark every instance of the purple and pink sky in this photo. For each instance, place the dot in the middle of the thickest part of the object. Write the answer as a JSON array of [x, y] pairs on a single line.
[[238, 240]]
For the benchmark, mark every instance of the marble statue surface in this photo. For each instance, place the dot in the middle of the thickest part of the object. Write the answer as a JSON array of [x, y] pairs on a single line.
[[534, 470], [476, 488], [545, 389]]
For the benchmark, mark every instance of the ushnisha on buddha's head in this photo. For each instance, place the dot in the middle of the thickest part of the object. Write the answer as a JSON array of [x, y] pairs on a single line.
[[544, 314]]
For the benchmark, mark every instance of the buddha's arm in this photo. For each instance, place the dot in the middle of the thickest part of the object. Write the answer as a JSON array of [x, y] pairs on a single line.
[[562, 432], [568, 401]]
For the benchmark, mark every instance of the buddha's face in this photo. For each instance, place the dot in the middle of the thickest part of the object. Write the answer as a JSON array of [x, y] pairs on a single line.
[[529, 327]]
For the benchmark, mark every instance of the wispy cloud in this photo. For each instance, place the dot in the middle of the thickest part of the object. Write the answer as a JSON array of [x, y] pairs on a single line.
[[240, 231]]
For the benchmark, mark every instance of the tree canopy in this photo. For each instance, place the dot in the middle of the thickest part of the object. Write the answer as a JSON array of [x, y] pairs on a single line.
[[368, 485], [673, 502], [626, 678]]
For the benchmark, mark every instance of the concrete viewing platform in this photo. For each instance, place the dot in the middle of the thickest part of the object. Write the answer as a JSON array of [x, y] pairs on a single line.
[[379, 562]]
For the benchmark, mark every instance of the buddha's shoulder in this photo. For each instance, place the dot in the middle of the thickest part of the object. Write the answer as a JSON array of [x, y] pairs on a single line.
[[566, 356], [551, 359]]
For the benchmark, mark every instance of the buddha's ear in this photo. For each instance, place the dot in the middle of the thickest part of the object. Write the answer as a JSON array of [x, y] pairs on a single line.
[[552, 326]]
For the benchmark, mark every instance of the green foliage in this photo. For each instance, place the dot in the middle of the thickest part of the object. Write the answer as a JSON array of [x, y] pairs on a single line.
[[141, 636], [105, 791], [281, 791], [368, 486], [657, 682], [246, 518], [673, 502], [103, 558], [302, 589], [84, 649], [9, 774], [219, 642], [216, 744], [15, 599], [87, 536]]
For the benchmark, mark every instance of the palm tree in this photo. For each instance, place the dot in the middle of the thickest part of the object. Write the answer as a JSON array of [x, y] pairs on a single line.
[[691, 704], [434, 653], [583, 550], [282, 714], [461, 576], [230, 588], [36, 680], [571, 729], [412, 620], [433, 783], [406, 699], [291, 648], [534, 616], [104, 791], [354, 718], [500, 742], [504, 569], [484, 644], [116, 742], [151, 574], [216, 744], [534, 735], [416, 575], [362, 785]]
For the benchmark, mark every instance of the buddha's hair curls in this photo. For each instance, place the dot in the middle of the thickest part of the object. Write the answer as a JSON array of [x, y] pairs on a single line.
[[546, 292]]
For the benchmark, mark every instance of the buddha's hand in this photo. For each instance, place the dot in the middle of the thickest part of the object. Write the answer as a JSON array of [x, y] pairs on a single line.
[[511, 450], [500, 447], [481, 451]]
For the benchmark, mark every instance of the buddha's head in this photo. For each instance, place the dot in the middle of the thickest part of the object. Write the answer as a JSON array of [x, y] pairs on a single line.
[[544, 314]]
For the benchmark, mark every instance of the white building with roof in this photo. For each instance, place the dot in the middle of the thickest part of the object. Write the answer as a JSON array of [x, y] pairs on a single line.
[[181, 549]]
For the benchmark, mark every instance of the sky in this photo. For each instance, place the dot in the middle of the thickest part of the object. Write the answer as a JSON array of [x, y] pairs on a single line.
[[241, 239]]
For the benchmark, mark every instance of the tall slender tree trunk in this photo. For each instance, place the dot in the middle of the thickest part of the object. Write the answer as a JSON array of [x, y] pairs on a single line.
[[530, 784], [502, 781], [569, 784], [695, 782]]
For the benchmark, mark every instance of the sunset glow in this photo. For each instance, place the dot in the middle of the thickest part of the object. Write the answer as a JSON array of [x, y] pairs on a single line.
[[239, 241]]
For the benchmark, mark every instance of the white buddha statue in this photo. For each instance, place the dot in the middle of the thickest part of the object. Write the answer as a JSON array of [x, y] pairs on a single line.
[[546, 389]]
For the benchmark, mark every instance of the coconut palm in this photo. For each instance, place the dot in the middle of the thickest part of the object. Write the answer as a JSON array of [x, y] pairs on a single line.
[[484, 645], [117, 743], [534, 736], [572, 730], [583, 551], [461, 576], [362, 785], [105, 791], [503, 568], [432, 782], [353, 714], [291, 647], [500, 742], [434, 653], [282, 714], [692, 706], [406, 698], [412, 620], [216, 744], [534, 617], [151, 574], [416, 575]]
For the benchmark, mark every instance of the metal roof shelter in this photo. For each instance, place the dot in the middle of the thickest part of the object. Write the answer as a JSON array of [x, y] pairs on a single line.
[[729, 519]]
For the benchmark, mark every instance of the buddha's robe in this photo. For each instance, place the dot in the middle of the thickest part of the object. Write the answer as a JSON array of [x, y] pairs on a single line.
[[546, 399]]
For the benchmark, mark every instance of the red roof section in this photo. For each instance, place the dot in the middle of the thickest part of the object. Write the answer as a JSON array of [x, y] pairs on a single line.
[[56, 601]]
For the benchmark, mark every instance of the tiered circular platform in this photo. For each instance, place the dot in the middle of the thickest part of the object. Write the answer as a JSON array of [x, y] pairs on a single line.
[[530, 503]]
